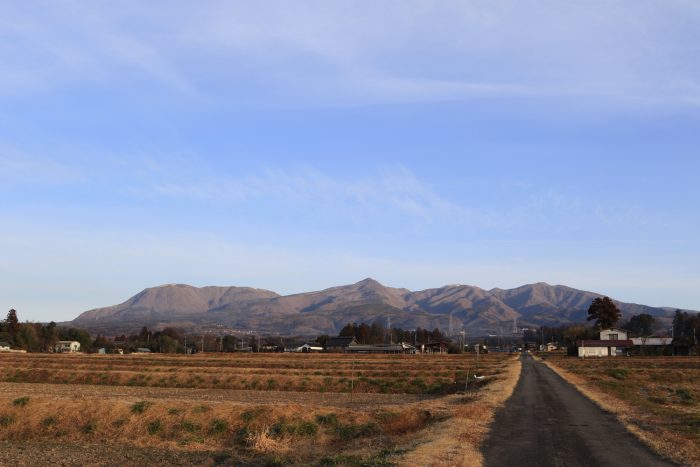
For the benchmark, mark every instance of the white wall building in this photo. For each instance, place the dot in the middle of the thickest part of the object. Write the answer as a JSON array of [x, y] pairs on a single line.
[[612, 342], [67, 347]]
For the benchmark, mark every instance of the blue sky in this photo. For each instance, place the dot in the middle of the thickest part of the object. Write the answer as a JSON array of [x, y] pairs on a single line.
[[300, 145]]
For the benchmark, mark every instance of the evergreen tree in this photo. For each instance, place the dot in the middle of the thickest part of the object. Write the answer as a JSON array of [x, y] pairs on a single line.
[[12, 325]]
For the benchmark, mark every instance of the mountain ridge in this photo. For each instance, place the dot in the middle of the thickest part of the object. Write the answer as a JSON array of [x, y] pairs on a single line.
[[453, 307]]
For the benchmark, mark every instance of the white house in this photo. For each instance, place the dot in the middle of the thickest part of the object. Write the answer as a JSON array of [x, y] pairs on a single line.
[[306, 348], [67, 346], [612, 342], [4, 347]]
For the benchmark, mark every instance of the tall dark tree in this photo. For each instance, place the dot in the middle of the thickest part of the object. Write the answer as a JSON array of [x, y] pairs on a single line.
[[348, 330], [12, 324], [642, 325], [605, 313], [686, 328]]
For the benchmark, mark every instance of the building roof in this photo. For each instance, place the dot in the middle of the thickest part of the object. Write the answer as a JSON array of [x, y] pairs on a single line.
[[340, 341], [599, 343], [380, 347], [436, 344], [4, 344]]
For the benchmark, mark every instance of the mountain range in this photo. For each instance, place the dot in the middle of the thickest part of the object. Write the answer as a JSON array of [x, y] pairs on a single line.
[[452, 307]]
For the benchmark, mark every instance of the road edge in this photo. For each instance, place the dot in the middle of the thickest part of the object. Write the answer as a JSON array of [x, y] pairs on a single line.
[[452, 443]]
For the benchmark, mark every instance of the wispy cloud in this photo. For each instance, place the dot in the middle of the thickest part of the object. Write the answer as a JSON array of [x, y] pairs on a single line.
[[396, 189], [17, 166], [327, 53]]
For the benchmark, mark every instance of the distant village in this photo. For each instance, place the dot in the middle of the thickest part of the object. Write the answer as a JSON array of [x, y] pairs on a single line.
[[638, 336]]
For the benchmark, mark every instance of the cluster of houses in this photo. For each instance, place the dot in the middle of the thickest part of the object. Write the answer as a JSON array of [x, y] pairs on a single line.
[[348, 344], [614, 342], [59, 347]]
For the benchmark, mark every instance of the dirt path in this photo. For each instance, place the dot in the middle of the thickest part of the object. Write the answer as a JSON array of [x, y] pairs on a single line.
[[86, 391], [547, 422]]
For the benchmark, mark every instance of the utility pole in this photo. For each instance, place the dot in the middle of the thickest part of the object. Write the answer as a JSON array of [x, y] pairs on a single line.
[[391, 337], [542, 332], [352, 379], [202, 343]]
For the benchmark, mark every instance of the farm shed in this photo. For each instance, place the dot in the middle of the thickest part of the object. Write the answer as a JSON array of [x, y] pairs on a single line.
[[652, 341], [340, 343], [67, 347], [435, 347], [401, 348]]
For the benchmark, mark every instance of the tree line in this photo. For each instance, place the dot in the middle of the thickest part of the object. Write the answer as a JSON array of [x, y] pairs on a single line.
[[38, 337], [377, 333]]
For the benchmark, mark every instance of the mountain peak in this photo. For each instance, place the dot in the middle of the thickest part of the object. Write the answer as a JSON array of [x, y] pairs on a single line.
[[369, 282]]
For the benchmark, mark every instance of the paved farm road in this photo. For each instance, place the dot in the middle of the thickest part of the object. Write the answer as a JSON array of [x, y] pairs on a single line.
[[547, 422]]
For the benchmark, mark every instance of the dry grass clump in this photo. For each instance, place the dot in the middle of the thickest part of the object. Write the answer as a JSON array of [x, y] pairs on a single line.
[[656, 398]]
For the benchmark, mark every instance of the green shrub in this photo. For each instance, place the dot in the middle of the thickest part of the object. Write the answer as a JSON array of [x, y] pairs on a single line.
[[327, 419], [685, 395], [218, 426], [140, 407], [278, 429], [89, 427], [48, 421], [20, 401], [249, 415], [190, 427], [306, 429], [618, 373], [6, 420], [154, 427]]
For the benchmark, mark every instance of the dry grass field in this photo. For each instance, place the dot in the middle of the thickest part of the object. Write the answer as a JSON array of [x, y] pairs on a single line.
[[247, 409], [657, 398]]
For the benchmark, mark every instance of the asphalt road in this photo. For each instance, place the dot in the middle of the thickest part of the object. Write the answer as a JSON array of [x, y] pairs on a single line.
[[547, 422]]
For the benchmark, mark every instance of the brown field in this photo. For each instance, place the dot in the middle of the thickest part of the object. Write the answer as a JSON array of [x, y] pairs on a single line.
[[657, 398], [240, 409]]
